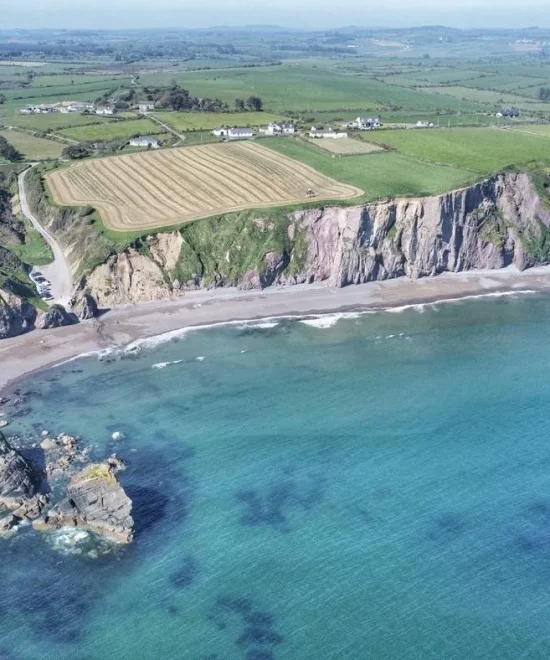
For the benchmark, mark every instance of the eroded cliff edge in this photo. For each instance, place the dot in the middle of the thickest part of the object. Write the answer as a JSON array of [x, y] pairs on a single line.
[[490, 225]]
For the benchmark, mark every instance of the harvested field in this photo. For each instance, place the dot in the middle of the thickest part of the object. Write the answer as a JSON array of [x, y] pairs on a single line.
[[149, 190], [345, 147]]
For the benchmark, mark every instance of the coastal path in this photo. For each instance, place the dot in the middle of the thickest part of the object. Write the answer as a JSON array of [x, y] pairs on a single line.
[[58, 272]]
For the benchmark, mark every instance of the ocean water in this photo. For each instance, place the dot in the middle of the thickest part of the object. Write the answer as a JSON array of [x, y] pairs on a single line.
[[373, 486]]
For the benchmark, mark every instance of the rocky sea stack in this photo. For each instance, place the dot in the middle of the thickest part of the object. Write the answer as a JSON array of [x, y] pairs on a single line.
[[96, 502], [19, 488]]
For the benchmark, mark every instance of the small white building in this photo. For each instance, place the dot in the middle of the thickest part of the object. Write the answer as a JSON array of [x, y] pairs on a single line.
[[424, 124], [280, 129], [41, 109], [145, 141], [327, 133], [80, 107], [147, 106], [367, 123], [234, 133], [105, 110]]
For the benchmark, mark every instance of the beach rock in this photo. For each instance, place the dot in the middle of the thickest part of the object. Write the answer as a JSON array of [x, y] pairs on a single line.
[[18, 483], [85, 307], [56, 317], [95, 502]]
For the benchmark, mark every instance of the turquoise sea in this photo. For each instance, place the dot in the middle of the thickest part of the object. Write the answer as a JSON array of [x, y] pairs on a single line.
[[373, 486]]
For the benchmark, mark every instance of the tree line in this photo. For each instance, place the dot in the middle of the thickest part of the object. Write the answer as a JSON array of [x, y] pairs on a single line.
[[180, 99], [9, 152]]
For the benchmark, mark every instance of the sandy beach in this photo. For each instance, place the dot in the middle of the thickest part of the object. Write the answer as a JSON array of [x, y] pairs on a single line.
[[43, 348]]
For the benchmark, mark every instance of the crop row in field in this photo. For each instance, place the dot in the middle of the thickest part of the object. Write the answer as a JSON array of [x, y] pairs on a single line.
[[156, 189]]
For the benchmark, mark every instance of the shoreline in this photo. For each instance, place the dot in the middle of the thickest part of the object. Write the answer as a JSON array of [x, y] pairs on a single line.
[[40, 349]]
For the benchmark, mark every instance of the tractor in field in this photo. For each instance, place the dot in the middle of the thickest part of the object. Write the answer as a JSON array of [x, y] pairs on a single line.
[[311, 192]]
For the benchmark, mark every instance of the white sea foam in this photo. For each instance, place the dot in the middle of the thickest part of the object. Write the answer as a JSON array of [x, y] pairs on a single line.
[[321, 321], [264, 325], [201, 358], [324, 321], [163, 365], [67, 539], [420, 307]]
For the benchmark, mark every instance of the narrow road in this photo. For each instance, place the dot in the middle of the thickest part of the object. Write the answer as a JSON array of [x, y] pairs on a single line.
[[58, 272], [166, 127]]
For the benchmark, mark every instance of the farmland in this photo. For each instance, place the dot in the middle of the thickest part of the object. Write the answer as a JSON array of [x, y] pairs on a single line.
[[155, 189], [347, 147], [483, 150], [207, 121], [54, 122], [113, 130], [381, 175], [31, 147]]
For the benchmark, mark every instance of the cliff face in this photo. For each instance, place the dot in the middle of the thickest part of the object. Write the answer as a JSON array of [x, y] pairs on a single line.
[[480, 227], [16, 315], [490, 225]]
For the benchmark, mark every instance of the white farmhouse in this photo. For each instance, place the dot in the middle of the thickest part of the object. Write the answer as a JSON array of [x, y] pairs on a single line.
[[240, 133], [234, 133], [105, 110], [147, 106], [145, 141], [80, 107], [367, 123], [280, 129], [326, 133]]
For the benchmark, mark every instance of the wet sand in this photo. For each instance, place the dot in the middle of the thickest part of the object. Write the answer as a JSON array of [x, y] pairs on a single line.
[[43, 348]]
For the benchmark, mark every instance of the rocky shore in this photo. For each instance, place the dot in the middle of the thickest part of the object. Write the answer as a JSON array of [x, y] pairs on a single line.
[[94, 499]]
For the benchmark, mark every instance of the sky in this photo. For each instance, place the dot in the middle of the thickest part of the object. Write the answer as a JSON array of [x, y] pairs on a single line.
[[121, 14]]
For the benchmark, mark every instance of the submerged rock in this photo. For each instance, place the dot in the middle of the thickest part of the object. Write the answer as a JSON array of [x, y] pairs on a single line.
[[18, 487], [96, 502]]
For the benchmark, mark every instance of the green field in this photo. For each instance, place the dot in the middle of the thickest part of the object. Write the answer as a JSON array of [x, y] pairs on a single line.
[[53, 122], [205, 121], [483, 150], [113, 130], [294, 88], [381, 175], [467, 94], [31, 147], [532, 129]]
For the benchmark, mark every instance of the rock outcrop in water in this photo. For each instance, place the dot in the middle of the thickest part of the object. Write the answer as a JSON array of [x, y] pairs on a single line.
[[489, 225], [96, 502], [19, 492]]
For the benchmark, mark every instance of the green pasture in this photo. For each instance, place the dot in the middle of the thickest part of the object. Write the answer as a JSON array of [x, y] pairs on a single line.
[[113, 130], [483, 150]]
